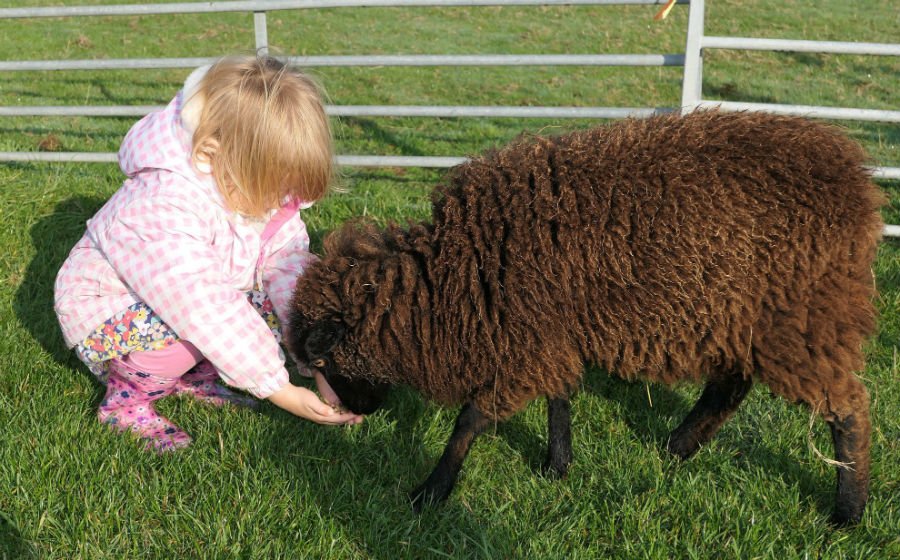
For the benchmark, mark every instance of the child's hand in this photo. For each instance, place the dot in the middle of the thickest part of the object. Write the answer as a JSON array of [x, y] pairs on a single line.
[[306, 404]]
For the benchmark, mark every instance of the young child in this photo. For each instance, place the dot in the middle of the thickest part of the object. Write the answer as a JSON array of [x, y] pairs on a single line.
[[185, 276]]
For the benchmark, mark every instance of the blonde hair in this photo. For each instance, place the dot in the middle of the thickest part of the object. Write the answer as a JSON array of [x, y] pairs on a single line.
[[264, 132]]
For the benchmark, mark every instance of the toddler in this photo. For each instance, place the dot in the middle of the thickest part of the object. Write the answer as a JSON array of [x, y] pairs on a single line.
[[185, 275]]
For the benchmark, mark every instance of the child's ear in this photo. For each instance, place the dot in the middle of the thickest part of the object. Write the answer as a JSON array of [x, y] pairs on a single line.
[[204, 155], [323, 336]]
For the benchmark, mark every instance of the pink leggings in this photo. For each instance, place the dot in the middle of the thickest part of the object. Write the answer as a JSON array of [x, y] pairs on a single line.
[[172, 361]]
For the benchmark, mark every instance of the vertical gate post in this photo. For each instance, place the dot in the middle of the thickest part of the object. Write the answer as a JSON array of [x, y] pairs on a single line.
[[691, 87], [262, 35]]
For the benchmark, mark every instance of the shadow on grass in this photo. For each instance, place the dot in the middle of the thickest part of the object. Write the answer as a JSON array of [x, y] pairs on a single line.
[[648, 425], [652, 426], [745, 452], [888, 279], [383, 465], [35, 137], [53, 237], [381, 135], [12, 545], [360, 477], [54, 89]]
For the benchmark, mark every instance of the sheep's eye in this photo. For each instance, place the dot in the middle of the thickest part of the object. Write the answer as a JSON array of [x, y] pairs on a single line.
[[318, 363]]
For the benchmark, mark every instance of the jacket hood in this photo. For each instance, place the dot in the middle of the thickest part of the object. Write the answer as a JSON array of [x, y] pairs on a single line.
[[162, 139]]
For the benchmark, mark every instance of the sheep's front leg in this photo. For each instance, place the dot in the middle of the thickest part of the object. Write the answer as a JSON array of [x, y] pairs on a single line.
[[559, 427], [440, 482]]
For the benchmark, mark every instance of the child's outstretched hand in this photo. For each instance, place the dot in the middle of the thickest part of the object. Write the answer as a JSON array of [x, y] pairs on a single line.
[[306, 404]]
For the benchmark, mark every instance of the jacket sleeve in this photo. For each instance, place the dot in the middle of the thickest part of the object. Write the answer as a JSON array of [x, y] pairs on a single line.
[[162, 249], [282, 268], [279, 277]]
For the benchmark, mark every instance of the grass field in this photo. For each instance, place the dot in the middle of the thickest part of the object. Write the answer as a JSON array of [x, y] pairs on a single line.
[[268, 485]]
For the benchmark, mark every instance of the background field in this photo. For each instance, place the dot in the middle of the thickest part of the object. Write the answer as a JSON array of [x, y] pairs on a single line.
[[268, 485]]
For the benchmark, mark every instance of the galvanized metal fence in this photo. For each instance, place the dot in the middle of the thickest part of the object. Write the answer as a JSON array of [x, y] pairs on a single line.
[[691, 59], [262, 7]]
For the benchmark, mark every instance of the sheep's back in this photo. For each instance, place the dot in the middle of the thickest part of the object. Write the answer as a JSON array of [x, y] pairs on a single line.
[[650, 246]]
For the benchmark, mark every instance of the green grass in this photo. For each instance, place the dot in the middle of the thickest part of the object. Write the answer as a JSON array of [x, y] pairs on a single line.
[[267, 485]]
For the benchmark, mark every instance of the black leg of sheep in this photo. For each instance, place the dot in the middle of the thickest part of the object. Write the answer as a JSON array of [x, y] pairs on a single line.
[[440, 482], [469, 424], [720, 398], [559, 427], [851, 449]]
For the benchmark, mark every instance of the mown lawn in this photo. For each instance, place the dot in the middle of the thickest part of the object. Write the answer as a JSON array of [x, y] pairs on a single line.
[[268, 485]]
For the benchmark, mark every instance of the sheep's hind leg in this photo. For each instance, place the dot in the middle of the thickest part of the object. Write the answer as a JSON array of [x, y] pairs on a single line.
[[719, 400], [851, 447], [559, 427], [440, 482], [851, 433]]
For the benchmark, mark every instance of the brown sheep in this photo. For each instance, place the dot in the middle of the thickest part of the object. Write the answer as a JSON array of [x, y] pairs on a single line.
[[713, 247]]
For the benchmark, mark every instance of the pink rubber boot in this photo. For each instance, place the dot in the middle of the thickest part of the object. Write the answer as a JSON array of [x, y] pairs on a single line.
[[128, 406], [200, 383]]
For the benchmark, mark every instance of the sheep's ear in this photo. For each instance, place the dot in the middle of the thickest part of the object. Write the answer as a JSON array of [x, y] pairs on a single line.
[[323, 336]]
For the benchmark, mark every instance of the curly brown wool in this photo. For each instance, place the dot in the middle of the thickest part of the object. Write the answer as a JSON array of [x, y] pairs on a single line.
[[714, 247]]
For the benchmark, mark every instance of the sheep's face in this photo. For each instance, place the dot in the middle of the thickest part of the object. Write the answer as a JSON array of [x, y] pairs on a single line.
[[325, 347]]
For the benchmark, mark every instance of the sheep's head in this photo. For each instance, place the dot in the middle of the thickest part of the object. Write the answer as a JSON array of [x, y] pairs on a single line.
[[330, 312], [325, 347]]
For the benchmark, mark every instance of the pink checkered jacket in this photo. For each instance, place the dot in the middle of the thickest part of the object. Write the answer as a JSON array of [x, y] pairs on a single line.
[[166, 238]]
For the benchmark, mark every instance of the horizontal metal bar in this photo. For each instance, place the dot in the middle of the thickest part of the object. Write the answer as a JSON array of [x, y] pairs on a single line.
[[398, 161], [886, 172], [492, 111], [344, 160], [367, 111], [481, 111], [891, 231], [808, 111], [366, 60], [828, 47], [75, 111], [61, 157], [264, 6], [110, 64]]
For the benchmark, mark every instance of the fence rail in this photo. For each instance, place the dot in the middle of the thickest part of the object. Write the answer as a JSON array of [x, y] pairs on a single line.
[[436, 111], [275, 5], [691, 60], [823, 47], [845, 113], [366, 60]]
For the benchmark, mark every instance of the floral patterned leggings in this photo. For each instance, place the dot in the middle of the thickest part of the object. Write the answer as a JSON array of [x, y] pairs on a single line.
[[139, 329]]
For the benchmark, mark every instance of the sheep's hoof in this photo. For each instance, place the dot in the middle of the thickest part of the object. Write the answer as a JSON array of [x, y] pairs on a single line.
[[423, 497], [841, 519], [682, 446], [554, 470]]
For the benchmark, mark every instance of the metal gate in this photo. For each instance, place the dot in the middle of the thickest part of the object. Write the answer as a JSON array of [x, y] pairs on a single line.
[[691, 60]]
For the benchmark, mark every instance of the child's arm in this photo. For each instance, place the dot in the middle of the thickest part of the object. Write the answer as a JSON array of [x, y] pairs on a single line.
[[283, 266], [279, 277], [304, 403]]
